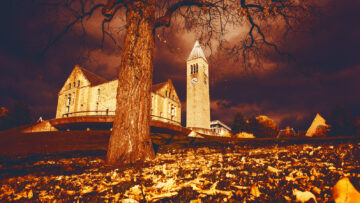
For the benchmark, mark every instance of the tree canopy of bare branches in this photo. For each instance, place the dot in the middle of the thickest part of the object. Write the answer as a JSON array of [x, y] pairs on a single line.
[[259, 23]]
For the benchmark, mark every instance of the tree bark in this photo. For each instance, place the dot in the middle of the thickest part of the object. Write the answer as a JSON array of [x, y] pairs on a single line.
[[130, 140]]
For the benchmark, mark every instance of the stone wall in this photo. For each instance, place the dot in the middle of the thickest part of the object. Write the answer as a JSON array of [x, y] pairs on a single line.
[[103, 98], [76, 88], [87, 100], [166, 105]]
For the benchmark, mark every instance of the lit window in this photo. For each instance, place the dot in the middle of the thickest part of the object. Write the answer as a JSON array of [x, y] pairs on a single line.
[[69, 99], [173, 110]]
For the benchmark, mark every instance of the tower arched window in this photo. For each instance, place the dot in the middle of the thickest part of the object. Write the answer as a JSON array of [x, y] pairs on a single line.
[[78, 83], [197, 68], [192, 69]]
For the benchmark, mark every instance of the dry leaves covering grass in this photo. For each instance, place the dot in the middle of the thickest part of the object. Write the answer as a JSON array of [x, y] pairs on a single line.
[[213, 174]]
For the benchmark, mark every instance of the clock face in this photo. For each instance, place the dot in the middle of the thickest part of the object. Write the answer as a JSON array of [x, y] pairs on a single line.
[[194, 80]]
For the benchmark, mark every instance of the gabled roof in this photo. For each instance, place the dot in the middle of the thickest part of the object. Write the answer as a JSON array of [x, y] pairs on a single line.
[[318, 121], [158, 86], [92, 77], [196, 52]]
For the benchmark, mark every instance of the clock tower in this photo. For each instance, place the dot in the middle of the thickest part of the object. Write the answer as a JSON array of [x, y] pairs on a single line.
[[197, 94]]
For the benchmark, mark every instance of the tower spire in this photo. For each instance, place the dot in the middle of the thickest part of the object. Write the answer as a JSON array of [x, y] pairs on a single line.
[[196, 52]]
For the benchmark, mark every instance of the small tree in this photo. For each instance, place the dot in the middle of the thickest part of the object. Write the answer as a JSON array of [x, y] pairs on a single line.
[[18, 115], [342, 122], [262, 127], [239, 124]]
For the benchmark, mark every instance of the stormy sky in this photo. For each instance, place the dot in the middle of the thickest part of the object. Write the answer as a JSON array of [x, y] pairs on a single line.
[[323, 73]]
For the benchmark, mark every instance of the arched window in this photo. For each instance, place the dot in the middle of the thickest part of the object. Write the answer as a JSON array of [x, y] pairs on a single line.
[[191, 68], [78, 83], [69, 85], [169, 109], [197, 68], [74, 84], [69, 99]]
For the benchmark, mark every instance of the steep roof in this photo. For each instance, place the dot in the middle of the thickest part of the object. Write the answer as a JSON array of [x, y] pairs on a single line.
[[92, 77], [158, 86], [318, 121], [196, 52]]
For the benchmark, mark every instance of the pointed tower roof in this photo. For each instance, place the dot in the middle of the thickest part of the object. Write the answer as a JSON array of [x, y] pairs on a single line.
[[196, 52], [318, 121]]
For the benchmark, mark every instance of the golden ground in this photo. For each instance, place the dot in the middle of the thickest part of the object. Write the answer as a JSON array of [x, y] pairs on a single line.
[[228, 173]]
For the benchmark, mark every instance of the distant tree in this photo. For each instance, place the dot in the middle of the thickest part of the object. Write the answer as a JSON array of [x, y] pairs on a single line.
[[4, 118], [18, 115], [239, 124], [342, 122], [301, 133], [321, 131], [253, 125], [262, 127]]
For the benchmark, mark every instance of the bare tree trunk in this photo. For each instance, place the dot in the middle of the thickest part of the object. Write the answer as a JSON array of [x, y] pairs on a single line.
[[130, 140]]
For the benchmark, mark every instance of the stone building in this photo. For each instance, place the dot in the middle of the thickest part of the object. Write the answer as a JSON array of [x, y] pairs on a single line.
[[87, 94], [197, 95]]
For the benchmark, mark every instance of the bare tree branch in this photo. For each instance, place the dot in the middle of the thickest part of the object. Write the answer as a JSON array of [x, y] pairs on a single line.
[[70, 25], [165, 20]]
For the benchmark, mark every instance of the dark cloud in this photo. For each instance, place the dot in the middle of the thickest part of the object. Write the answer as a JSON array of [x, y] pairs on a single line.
[[325, 71]]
